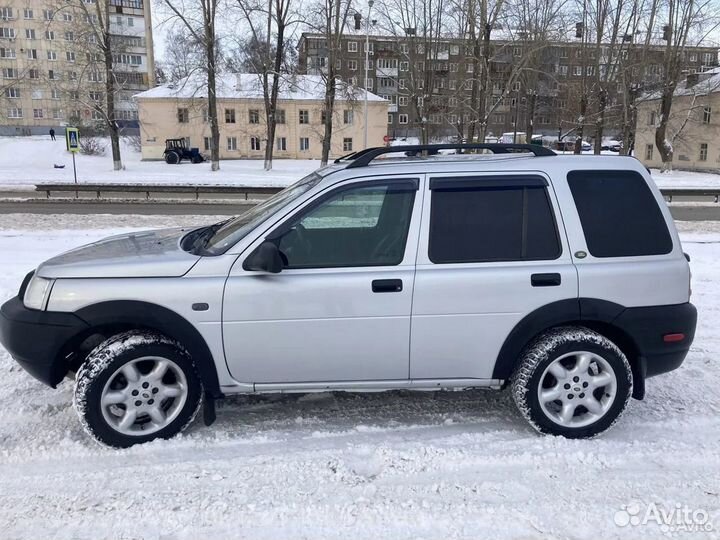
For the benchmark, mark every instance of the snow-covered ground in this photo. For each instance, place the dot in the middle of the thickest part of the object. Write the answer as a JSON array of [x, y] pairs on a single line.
[[400, 465], [26, 161]]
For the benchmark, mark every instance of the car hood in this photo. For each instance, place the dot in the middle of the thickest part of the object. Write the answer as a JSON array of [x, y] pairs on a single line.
[[138, 254]]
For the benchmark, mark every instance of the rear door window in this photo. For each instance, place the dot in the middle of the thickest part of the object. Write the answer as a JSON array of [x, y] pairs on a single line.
[[619, 214], [486, 219]]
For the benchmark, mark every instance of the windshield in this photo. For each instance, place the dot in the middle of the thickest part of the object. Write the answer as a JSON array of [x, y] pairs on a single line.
[[233, 230]]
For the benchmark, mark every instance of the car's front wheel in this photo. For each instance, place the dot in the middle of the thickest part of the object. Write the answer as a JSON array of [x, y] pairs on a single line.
[[135, 387], [572, 382]]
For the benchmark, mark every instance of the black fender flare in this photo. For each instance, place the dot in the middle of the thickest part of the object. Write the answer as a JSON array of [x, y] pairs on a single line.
[[137, 314], [593, 313]]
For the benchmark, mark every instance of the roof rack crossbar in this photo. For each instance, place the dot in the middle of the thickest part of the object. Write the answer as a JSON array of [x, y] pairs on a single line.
[[364, 157]]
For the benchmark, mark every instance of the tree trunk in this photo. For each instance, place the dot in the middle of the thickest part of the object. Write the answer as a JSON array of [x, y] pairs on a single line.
[[581, 124], [600, 121], [113, 130], [530, 116], [661, 141], [212, 96], [327, 136]]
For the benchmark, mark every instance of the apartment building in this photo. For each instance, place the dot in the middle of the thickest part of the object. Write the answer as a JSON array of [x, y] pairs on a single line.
[[52, 71], [179, 110], [431, 83], [693, 128]]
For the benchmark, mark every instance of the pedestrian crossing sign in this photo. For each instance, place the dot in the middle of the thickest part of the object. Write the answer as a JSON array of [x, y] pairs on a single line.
[[72, 139]]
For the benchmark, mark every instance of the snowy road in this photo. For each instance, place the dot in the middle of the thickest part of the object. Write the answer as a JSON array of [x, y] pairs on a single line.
[[399, 465]]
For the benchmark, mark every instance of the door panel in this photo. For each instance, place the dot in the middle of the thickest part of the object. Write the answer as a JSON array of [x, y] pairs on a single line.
[[318, 320], [463, 311]]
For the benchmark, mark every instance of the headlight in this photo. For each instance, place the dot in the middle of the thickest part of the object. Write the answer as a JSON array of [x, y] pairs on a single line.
[[37, 293]]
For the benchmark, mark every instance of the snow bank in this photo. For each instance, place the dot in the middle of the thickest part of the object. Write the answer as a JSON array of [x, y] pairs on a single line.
[[401, 465]]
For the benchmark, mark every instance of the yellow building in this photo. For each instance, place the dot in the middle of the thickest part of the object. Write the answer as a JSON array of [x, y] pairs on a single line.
[[693, 128], [179, 110]]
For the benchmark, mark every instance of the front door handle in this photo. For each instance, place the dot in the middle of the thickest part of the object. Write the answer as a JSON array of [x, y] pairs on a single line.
[[387, 285], [545, 280]]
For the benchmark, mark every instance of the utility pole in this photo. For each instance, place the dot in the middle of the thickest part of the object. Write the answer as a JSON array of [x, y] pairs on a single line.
[[367, 61]]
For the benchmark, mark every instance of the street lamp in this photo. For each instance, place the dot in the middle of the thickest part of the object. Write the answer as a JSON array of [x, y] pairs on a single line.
[[367, 60]]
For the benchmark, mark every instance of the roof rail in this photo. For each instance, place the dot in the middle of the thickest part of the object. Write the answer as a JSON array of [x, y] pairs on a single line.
[[364, 157]]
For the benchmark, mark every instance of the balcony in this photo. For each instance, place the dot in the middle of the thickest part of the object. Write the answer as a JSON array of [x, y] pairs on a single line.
[[130, 4], [392, 107], [387, 72]]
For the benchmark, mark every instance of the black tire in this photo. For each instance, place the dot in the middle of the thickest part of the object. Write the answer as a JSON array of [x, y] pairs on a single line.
[[172, 158], [105, 361], [197, 159], [555, 345]]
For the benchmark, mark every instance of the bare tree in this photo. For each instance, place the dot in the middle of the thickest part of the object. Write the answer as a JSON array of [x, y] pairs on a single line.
[[331, 21], [685, 19], [198, 17], [268, 24]]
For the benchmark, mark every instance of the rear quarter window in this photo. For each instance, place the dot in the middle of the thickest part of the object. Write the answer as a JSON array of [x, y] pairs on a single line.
[[619, 214]]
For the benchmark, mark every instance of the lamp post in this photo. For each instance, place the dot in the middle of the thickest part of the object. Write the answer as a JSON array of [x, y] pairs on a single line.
[[367, 59]]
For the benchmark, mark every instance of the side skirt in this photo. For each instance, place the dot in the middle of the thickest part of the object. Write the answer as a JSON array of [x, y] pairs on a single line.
[[367, 386]]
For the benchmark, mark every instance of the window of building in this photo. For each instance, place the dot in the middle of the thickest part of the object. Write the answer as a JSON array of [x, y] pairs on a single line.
[[703, 152], [304, 144], [454, 50], [517, 51], [651, 118], [707, 113], [29, 33], [232, 143], [649, 149], [15, 112], [230, 117], [619, 214], [52, 55], [182, 115], [279, 116], [28, 13], [352, 81], [54, 93], [67, 17], [369, 64], [7, 52], [577, 71], [352, 65], [491, 219], [347, 116], [253, 116], [281, 144], [347, 144], [6, 13], [255, 143], [391, 119], [404, 66], [9, 73], [303, 116], [49, 35], [38, 113], [402, 118], [370, 214], [352, 46], [13, 93], [33, 73], [48, 14], [70, 56], [469, 67], [69, 36], [563, 70], [31, 54]]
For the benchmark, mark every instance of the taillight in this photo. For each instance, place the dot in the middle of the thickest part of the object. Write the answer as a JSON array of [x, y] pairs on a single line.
[[673, 338]]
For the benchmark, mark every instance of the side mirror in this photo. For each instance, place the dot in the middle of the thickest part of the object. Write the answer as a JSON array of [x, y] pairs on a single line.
[[266, 258]]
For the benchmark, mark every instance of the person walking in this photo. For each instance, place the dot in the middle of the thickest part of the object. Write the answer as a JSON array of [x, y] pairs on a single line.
[[52, 134]]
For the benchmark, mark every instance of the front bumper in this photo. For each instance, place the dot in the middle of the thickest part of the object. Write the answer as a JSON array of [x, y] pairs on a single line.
[[35, 339]]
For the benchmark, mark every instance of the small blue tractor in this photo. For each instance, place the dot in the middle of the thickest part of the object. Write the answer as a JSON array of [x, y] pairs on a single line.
[[176, 150]]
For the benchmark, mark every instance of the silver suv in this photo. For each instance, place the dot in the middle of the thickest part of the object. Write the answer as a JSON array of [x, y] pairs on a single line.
[[559, 277]]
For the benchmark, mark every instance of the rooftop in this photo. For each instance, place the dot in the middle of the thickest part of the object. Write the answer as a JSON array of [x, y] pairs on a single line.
[[694, 84], [249, 86]]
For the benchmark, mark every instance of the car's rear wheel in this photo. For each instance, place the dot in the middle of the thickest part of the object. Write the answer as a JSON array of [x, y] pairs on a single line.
[[572, 382], [172, 158], [136, 387]]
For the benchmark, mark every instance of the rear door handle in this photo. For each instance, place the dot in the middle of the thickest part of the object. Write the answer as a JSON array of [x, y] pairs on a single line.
[[545, 280], [387, 285]]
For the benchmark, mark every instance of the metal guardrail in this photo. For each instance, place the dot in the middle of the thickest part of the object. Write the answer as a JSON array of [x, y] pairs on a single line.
[[149, 191], [210, 192]]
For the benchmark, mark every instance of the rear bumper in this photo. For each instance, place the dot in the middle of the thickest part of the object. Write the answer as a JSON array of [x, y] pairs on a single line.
[[648, 325], [35, 339]]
